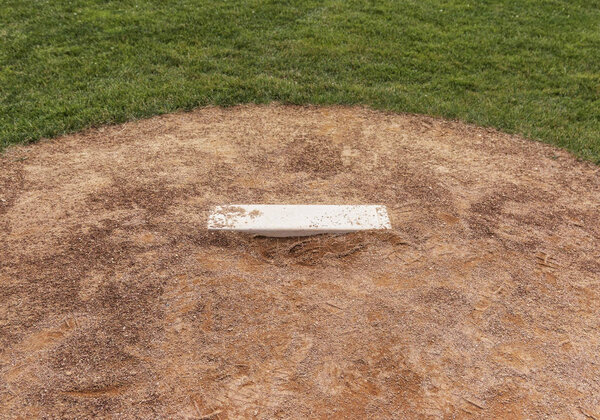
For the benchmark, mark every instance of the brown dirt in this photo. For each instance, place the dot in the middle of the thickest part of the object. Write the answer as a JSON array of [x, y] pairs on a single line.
[[482, 302]]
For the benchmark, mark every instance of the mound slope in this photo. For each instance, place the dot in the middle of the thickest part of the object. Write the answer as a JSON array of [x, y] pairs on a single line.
[[482, 302]]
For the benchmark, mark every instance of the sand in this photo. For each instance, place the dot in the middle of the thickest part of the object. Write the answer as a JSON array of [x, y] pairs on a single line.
[[482, 302]]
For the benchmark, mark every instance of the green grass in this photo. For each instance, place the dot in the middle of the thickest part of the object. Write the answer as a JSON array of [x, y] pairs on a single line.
[[523, 66]]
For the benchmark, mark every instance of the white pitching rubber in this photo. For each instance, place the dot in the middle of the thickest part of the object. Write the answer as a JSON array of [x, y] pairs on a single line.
[[297, 220]]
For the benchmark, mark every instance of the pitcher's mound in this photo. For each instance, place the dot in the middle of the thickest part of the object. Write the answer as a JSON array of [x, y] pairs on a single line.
[[483, 301]]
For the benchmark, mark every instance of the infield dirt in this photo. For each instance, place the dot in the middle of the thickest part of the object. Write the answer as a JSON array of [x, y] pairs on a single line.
[[482, 302]]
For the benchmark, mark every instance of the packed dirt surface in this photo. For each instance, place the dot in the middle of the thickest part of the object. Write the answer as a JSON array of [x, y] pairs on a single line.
[[482, 302]]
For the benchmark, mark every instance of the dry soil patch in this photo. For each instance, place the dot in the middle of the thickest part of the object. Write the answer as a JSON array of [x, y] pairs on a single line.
[[483, 301]]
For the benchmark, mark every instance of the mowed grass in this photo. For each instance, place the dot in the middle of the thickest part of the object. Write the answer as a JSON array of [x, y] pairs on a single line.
[[523, 66]]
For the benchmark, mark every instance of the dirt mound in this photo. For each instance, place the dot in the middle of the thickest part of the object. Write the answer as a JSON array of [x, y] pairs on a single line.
[[115, 301]]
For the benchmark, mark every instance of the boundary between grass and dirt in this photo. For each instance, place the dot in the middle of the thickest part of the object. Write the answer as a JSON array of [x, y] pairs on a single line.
[[523, 67]]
